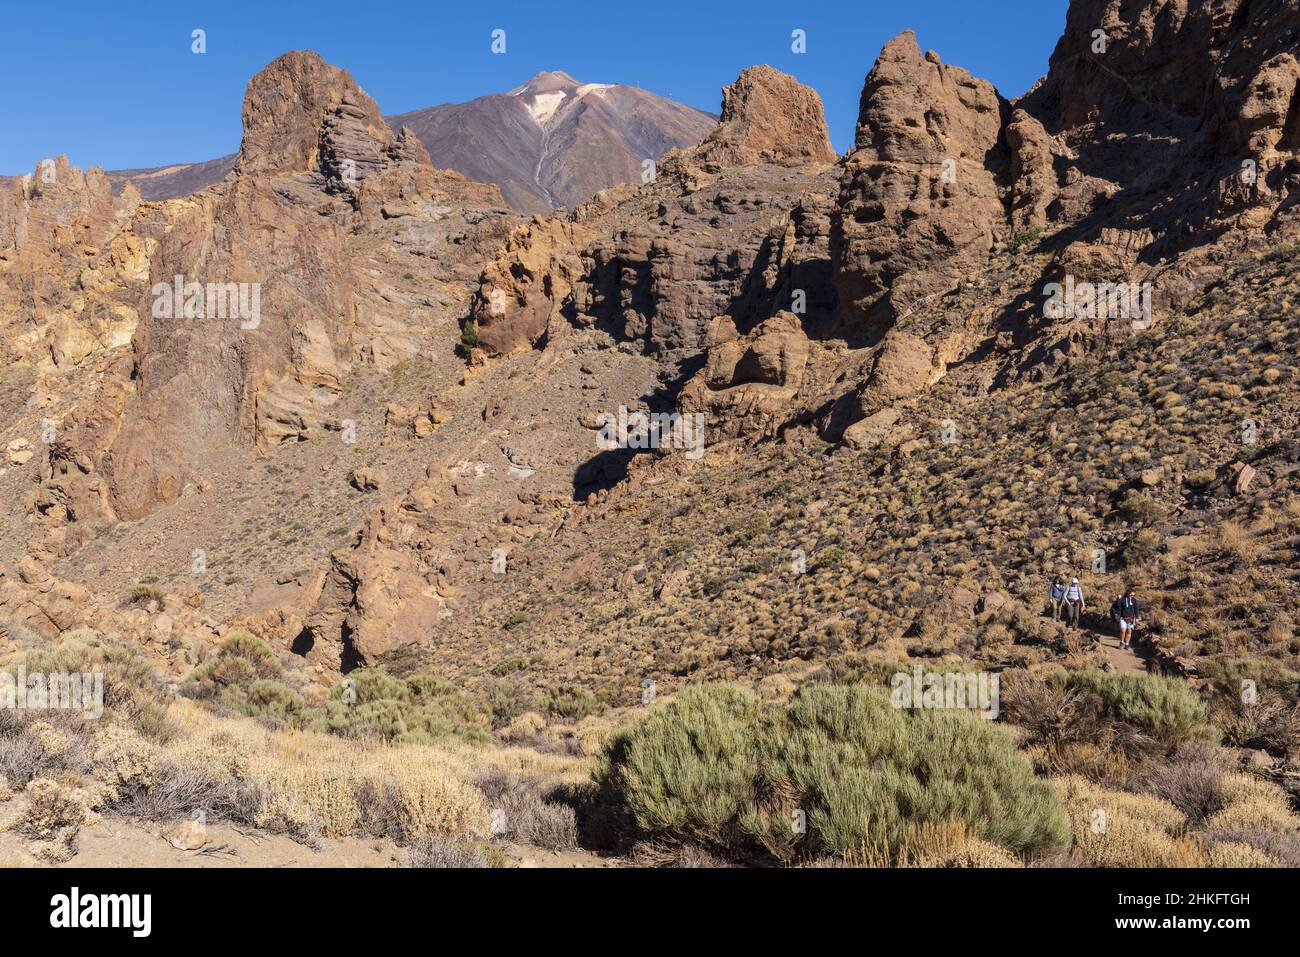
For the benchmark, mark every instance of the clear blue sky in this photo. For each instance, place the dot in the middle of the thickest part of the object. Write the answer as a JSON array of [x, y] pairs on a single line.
[[115, 84]]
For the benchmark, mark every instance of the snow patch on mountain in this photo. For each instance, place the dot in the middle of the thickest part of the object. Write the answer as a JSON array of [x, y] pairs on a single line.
[[543, 105]]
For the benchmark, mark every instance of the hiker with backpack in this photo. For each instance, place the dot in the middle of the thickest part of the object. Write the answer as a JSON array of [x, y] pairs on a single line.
[[1074, 603], [1056, 595], [1128, 614]]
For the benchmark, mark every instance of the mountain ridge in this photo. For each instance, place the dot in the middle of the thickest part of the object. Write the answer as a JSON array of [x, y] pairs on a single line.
[[488, 140]]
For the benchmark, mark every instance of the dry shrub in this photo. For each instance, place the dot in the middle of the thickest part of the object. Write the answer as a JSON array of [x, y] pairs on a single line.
[[526, 814], [1280, 846], [1253, 803], [179, 789], [444, 850], [124, 759], [55, 812], [1192, 782], [309, 782], [21, 759], [1235, 541], [692, 856], [946, 844], [1120, 829], [1235, 854]]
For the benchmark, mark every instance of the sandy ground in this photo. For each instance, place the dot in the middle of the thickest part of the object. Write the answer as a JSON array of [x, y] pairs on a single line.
[[116, 842]]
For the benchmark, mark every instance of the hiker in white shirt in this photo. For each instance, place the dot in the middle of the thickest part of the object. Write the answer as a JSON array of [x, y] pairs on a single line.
[[1074, 603]]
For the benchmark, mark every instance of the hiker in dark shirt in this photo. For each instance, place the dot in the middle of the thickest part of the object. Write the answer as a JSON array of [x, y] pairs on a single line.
[[1128, 614], [1056, 595]]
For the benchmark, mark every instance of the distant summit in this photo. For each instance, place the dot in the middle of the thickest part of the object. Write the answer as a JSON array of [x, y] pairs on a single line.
[[552, 141]]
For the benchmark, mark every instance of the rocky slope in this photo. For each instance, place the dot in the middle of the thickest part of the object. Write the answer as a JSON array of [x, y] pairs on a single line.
[[399, 462]]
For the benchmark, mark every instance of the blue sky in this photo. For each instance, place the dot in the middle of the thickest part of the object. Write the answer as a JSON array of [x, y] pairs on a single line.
[[116, 85]]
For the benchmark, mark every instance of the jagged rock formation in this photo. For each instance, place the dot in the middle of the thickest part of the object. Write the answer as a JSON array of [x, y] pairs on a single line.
[[281, 306], [1167, 89], [919, 197], [767, 117], [527, 290], [709, 247], [65, 265], [748, 382], [733, 226]]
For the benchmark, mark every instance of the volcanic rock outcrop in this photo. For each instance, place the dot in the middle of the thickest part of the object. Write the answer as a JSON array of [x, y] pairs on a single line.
[[252, 299], [767, 117], [527, 290], [756, 278], [919, 198]]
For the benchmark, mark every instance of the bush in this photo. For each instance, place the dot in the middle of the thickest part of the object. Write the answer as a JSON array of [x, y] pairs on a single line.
[[572, 702], [143, 594], [1120, 829], [716, 765], [420, 710], [239, 660], [1143, 548], [1025, 239], [445, 850], [1140, 509], [1252, 803], [1192, 782], [688, 770], [1165, 708], [526, 814]]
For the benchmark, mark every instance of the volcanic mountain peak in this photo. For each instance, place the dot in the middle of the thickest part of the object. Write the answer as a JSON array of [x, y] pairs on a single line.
[[549, 93], [554, 140], [545, 82]]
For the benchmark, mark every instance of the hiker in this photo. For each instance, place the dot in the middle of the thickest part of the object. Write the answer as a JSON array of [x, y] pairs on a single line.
[[1056, 595], [1128, 614], [1074, 603]]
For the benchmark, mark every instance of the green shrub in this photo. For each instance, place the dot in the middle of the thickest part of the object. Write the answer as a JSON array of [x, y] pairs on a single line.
[[688, 770], [1140, 509], [423, 709], [143, 593], [756, 527], [509, 665], [239, 661], [1024, 239], [272, 699], [1227, 674], [469, 334], [831, 557], [572, 702], [716, 765], [1166, 708], [371, 684]]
